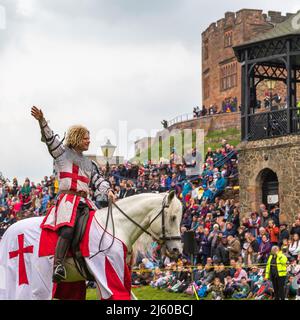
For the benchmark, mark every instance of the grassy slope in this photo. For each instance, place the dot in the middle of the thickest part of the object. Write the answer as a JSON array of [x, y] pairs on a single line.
[[212, 140]]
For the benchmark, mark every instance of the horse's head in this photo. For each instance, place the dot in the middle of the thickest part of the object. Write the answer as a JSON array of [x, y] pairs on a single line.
[[167, 226]]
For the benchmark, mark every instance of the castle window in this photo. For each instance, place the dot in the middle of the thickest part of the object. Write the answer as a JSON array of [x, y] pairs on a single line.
[[205, 49], [206, 88], [228, 76], [228, 36]]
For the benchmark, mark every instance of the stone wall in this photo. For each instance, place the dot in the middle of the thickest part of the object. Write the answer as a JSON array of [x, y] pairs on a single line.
[[220, 121], [245, 25], [281, 155]]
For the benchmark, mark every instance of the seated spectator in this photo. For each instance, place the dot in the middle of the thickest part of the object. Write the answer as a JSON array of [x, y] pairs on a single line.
[[296, 227], [216, 289], [207, 194], [229, 230], [239, 273], [294, 247], [243, 289], [230, 287], [262, 232], [220, 186]]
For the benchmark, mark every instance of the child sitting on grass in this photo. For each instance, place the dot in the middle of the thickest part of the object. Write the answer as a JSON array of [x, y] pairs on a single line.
[[243, 289], [216, 289]]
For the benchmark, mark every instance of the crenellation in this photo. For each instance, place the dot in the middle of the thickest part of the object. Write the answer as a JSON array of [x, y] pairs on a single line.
[[233, 29]]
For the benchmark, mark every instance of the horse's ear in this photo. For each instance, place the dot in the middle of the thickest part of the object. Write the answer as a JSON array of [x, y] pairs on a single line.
[[171, 196]]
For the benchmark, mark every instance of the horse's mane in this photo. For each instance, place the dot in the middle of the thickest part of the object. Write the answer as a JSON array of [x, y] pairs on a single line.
[[141, 195]]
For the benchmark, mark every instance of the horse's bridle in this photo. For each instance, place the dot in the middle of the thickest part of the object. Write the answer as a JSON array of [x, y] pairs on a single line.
[[161, 240]]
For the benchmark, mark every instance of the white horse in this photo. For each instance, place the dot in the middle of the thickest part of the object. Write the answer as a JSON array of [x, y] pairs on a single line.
[[26, 275]]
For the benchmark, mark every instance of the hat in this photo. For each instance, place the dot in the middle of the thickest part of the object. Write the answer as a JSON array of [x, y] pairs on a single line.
[[283, 224], [216, 225]]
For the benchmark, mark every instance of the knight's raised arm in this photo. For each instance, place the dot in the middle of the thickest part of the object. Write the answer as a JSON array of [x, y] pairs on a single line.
[[55, 146]]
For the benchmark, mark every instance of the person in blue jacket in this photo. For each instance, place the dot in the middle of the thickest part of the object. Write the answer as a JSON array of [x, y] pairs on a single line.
[[207, 194], [221, 184]]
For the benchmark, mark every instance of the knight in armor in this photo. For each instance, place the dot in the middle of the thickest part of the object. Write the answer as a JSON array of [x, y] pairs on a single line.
[[76, 174]]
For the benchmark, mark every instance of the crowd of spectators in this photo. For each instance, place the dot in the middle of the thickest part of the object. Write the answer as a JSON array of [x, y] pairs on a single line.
[[229, 252], [228, 105], [19, 201]]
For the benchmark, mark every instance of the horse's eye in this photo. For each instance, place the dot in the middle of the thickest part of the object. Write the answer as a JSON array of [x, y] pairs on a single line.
[[173, 218]]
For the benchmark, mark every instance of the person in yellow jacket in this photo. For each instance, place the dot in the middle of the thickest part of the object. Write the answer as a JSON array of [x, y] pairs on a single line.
[[276, 271]]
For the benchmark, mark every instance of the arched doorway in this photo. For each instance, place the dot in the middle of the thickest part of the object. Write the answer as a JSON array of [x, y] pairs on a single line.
[[269, 187]]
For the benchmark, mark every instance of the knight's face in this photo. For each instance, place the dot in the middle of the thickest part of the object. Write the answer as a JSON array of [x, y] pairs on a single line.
[[85, 143]]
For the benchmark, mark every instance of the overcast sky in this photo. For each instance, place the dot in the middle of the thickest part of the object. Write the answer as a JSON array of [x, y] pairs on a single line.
[[99, 62]]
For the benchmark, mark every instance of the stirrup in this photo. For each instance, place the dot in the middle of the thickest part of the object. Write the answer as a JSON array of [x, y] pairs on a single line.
[[59, 273]]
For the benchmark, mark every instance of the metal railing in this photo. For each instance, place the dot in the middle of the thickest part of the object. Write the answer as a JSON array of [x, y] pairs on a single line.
[[181, 118], [270, 124], [221, 162]]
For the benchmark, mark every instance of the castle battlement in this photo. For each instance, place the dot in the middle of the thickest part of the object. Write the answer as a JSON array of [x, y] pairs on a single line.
[[234, 18]]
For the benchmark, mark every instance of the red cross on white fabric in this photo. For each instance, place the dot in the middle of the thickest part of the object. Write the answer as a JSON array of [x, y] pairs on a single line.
[[74, 176], [22, 268]]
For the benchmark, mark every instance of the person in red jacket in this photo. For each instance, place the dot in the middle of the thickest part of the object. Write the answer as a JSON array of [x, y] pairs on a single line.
[[273, 232]]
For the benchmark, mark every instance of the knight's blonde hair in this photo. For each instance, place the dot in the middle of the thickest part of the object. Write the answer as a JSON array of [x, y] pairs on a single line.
[[75, 135]]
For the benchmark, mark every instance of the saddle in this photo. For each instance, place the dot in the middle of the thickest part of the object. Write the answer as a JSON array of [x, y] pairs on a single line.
[[79, 231]]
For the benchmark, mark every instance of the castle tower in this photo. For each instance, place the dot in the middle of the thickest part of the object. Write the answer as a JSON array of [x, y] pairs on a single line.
[[269, 158]]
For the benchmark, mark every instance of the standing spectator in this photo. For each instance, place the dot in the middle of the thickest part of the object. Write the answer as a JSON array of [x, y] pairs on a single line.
[[284, 234], [234, 247], [26, 195], [213, 239], [222, 253], [276, 271], [264, 249], [273, 232], [14, 190], [203, 246], [254, 223], [265, 218], [274, 214]]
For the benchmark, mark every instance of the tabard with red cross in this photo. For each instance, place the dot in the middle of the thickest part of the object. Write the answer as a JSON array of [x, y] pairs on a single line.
[[20, 255], [74, 173]]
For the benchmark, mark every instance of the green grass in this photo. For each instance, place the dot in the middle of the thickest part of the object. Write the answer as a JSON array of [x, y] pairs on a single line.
[[212, 140], [148, 293]]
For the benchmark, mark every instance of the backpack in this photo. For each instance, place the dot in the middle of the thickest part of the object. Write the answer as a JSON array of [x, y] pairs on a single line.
[[202, 291], [189, 290]]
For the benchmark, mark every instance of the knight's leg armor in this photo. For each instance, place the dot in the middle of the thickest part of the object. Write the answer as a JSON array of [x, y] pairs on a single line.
[[62, 247]]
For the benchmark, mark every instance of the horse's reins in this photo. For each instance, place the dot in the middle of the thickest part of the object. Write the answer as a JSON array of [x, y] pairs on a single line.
[[159, 240]]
